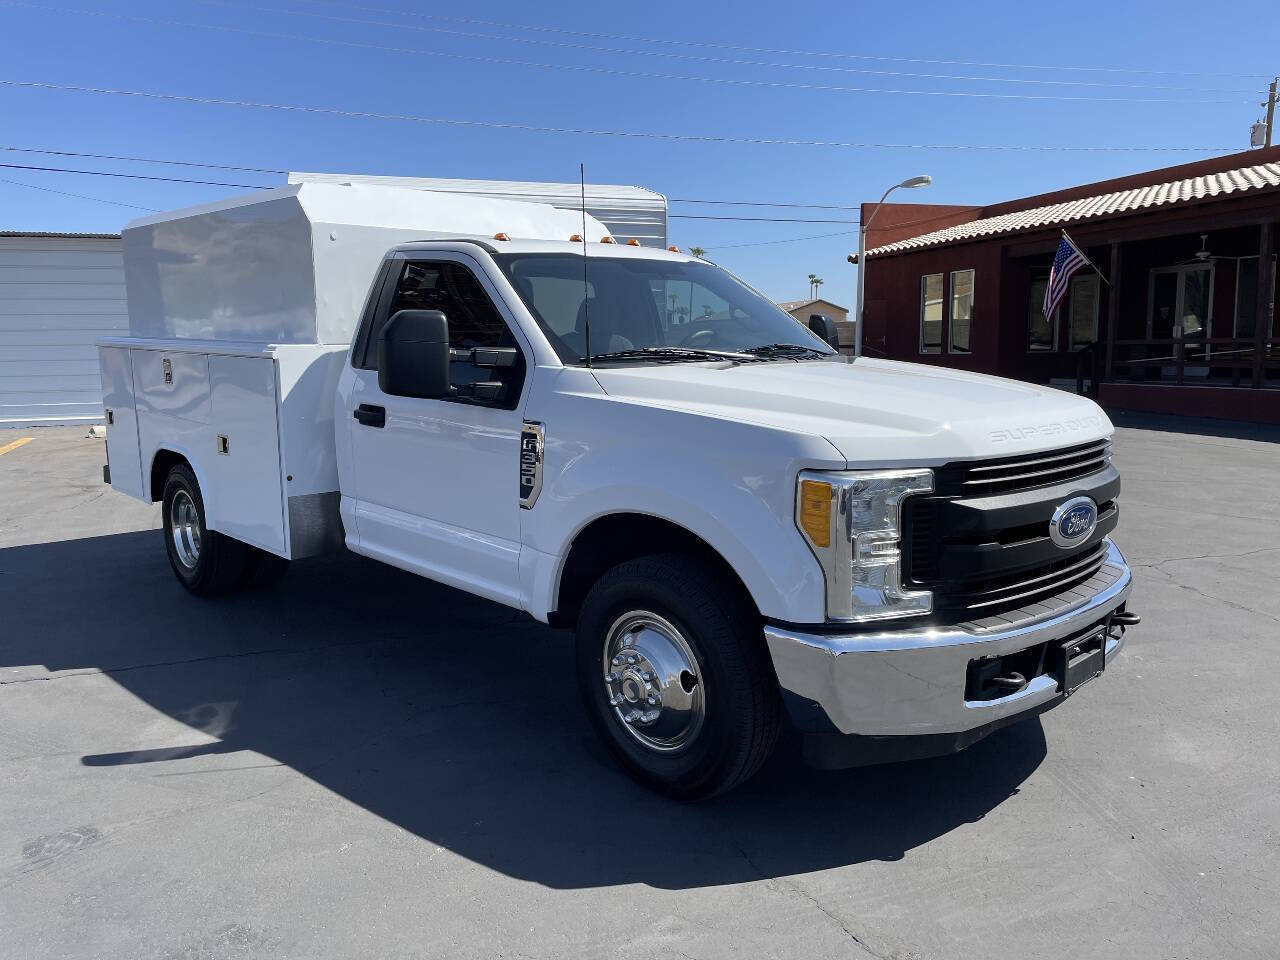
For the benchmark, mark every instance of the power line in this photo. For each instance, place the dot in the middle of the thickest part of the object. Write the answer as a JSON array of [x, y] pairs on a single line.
[[680, 78], [269, 170], [704, 44], [765, 243], [113, 156], [664, 54], [130, 176], [78, 196], [694, 216], [251, 186], [584, 131]]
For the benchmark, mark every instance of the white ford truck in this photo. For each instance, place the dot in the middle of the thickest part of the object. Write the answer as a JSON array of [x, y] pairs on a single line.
[[749, 531]]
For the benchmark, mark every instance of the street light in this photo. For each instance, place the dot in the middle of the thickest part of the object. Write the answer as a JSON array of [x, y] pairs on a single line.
[[911, 184]]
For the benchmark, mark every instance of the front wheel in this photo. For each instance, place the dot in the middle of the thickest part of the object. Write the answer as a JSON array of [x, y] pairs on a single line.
[[204, 561], [675, 676]]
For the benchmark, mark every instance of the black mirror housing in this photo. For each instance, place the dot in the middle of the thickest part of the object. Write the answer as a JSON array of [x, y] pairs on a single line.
[[413, 355], [825, 327]]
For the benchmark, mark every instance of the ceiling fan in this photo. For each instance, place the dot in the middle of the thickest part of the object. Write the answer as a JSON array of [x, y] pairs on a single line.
[[1203, 255]]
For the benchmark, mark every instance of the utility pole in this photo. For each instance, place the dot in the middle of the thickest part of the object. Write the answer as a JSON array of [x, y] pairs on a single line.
[[1271, 111]]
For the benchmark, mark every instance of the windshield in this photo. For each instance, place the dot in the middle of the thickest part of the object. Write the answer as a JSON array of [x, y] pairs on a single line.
[[641, 308]]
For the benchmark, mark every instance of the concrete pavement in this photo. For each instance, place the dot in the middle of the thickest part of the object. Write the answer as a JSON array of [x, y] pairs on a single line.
[[360, 763]]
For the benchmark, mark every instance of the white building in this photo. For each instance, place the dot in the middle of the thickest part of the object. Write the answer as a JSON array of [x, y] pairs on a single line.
[[59, 292]]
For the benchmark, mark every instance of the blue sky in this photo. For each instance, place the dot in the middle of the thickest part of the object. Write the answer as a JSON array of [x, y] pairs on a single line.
[[446, 68]]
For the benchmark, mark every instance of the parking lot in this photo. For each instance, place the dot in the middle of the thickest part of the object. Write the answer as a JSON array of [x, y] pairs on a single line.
[[360, 763]]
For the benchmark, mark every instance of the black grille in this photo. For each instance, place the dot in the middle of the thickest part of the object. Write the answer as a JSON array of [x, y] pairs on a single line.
[[981, 541], [1026, 472], [1017, 590]]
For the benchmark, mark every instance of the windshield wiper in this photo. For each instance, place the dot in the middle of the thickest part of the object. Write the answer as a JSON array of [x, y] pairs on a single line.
[[673, 354], [785, 350]]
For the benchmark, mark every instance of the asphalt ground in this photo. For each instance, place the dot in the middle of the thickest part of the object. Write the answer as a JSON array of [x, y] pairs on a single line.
[[360, 763]]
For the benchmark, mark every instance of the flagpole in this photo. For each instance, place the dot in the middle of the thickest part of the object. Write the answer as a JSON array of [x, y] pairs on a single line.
[[1084, 255]]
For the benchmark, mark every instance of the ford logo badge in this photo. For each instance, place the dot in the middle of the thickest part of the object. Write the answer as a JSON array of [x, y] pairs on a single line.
[[1073, 521]]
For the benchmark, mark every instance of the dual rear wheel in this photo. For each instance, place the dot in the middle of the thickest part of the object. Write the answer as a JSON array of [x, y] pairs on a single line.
[[206, 562]]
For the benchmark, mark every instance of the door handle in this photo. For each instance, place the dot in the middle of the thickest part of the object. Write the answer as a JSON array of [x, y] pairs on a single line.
[[371, 416]]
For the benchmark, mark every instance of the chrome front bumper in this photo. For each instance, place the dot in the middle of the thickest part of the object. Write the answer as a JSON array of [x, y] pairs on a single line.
[[912, 682]]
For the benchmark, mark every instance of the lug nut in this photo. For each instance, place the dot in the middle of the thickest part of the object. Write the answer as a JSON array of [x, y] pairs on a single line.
[[631, 659], [652, 700]]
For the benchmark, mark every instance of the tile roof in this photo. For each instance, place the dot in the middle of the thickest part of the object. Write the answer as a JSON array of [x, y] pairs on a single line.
[[1264, 176]]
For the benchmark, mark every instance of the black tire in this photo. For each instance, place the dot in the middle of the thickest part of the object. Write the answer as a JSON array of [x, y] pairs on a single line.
[[217, 563], [262, 569], [741, 706]]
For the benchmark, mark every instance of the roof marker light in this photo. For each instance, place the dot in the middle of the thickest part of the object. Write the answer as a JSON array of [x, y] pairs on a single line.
[[501, 236], [673, 249], [576, 238], [633, 242], [607, 239]]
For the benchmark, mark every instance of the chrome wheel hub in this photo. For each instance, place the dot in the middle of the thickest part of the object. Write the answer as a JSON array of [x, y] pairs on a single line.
[[653, 681], [184, 526]]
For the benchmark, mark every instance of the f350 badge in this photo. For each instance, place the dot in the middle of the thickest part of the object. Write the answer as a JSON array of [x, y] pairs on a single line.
[[531, 445]]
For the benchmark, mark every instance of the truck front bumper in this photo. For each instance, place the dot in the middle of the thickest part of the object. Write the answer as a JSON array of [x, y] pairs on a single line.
[[876, 695]]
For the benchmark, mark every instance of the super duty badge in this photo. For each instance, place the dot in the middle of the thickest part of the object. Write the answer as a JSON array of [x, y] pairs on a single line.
[[531, 442]]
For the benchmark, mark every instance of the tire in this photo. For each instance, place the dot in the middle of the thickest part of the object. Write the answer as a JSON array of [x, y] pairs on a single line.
[[262, 569], [204, 561], [698, 648]]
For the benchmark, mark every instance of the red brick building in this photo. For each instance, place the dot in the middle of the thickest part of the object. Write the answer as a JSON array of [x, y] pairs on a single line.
[[1183, 323]]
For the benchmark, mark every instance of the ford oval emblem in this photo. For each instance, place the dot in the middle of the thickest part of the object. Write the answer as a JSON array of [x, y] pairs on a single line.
[[1073, 521]]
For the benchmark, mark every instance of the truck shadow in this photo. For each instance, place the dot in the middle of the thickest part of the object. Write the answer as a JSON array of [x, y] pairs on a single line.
[[452, 718]]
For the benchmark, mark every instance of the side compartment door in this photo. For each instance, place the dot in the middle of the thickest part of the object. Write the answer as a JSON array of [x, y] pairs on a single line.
[[245, 465], [436, 481]]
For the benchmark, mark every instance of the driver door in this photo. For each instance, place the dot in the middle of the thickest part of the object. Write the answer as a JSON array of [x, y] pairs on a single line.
[[436, 481]]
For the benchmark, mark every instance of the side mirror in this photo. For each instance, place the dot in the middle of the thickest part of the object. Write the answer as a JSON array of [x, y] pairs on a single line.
[[413, 355], [825, 327]]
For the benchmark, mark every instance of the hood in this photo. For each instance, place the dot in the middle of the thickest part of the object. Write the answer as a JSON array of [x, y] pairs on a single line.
[[875, 412]]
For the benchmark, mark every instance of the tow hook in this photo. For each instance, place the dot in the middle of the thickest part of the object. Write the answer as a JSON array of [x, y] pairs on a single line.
[[1125, 619], [1010, 684]]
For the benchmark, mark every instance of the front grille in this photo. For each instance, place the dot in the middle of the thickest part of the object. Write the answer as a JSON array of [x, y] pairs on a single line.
[[985, 478], [981, 541], [1016, 590]]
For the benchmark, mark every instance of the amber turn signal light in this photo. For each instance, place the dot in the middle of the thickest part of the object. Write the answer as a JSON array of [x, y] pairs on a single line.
[[815, 511]]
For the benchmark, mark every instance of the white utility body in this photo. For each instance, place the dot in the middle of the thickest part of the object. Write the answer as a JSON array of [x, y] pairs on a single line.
[[744, 526]]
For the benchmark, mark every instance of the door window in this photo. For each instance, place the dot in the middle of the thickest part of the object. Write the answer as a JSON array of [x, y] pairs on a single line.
[[1181, 299], [474, 321]]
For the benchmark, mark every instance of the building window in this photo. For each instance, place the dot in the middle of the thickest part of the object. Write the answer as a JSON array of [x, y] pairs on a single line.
[[961, 311], [1247, 298], [1042, 331], [1085, 294], [931, 313]]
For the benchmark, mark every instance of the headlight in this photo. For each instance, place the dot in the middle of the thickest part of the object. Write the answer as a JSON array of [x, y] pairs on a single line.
[[853, 523]]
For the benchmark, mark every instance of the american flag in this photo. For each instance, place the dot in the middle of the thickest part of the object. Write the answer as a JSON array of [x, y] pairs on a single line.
[[1066, 262]]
